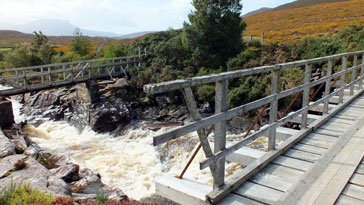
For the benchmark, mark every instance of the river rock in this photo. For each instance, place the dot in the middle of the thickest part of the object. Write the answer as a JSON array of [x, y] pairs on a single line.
[[6, 146], [107, 116], [33, 173], [6, 113], [68, 172], [88, 182]]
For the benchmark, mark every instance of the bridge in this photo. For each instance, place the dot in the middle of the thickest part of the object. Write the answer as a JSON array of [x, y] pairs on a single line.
[[321, 163], [36, 78]]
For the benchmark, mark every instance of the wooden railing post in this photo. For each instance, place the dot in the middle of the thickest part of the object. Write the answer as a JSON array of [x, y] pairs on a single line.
[[327, 87], [64, 72], [17, 74], [342, 79], [306, 94], [361, 72], [42, 77], [25, 80], [50, 75], [192, 107], [273, 109], [220, 129], [355, 62]]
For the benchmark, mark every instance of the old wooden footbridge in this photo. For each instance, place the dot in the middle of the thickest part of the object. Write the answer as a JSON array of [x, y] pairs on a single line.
[[319, 164], [44, 77]]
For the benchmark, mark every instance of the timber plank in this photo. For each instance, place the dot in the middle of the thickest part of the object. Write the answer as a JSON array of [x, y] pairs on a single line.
[[234, 199], [259, 192], [357, 179], [337, 120], [271, 181], [310, 149], [346, 200], [354, 191], [301, 155], [317, 143], [360, 169], [335, 126], [283, 172], [292, 163], [329, 132], [326, 138]]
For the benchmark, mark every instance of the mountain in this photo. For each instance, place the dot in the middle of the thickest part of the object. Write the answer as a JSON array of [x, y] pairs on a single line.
[[261, 10], [321, 19], [54, 27], [292, 5], [135, 35], [10, 38]]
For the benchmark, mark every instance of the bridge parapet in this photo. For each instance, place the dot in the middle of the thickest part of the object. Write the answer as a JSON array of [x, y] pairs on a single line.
[[37, 78], [216, 160]]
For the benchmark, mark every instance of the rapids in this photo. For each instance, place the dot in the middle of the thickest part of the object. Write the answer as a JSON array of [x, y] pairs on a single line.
[[129, 162]]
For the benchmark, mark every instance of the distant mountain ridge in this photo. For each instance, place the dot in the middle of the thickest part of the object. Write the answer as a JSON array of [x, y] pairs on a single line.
[[57, 27], [292, 5]]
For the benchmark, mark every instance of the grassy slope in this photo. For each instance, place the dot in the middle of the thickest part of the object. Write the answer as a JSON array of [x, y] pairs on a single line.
[[298, 23]]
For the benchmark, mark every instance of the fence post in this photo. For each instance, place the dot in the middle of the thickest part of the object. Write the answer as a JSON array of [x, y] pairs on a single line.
[[220, 129], [251, 37], [306, 95], [273, 108], [361, 72], [17, 74], [262, 37], [355, 62], [50, 75], [327, 88], [25, 80], [342, 79]]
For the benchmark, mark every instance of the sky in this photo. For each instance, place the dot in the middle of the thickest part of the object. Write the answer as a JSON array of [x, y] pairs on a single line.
[[117, 16]]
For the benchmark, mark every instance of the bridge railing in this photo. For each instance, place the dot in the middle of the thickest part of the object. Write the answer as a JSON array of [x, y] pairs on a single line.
[[54, 75], [216, 160]]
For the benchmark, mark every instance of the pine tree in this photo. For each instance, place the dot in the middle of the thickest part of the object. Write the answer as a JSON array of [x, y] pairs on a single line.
[[215, 32]]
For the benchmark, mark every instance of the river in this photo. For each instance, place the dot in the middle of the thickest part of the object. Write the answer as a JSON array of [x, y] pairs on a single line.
[[129, 162]]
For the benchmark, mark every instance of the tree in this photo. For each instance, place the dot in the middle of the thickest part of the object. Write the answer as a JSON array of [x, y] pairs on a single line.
[[116, 50], [215, 32], [80, 44]]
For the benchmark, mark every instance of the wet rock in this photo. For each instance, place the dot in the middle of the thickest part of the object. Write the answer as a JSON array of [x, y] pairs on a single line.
[[205, 108], [68, 172], [165, 100], [114, 193], [88, 183], [107, 116], [6, 113], [6, 146], [83, 198]]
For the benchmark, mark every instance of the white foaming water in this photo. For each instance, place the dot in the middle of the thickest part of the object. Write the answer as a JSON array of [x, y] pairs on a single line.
[[5, 87], [129, 162]]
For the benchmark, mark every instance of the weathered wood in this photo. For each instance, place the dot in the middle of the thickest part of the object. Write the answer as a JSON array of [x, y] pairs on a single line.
[[310, 149], [361, 72], [234, 199], [273, 110], [220, 129], [317, 143], [292, 163], [271, 181], [245, 155], [329, 132], [259, 192], [306, 94], [357, 179], [353, 73], [360, 169], [354, 191], [284, 172], [342, 78], [192, 107], [327, 86], [346, 200], [301, 155]]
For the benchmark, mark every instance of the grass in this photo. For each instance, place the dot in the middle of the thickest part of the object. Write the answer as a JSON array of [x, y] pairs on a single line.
[[296, 24]]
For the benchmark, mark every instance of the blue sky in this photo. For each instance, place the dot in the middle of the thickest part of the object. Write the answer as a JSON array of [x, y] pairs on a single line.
[[118, 16]]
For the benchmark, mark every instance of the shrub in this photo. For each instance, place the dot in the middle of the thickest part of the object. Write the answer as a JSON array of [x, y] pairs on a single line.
[[24, 194]]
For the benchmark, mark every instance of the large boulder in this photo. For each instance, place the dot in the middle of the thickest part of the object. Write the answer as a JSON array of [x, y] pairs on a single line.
[[22, 169], [6, 146], [6, 113], [107, 116]]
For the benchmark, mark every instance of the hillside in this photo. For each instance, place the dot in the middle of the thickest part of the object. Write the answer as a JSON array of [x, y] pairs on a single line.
[[292, 5], [298, 23], [12, 38]]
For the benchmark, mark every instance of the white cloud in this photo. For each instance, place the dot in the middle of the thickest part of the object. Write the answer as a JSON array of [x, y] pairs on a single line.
[[119, 16]]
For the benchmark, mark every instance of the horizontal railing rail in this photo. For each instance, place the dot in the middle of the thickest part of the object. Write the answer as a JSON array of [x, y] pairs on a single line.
[[41, 77], [216, 159]]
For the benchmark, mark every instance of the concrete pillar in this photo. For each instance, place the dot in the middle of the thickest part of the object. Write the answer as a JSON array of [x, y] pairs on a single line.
[[88, 92], [6, 113]]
